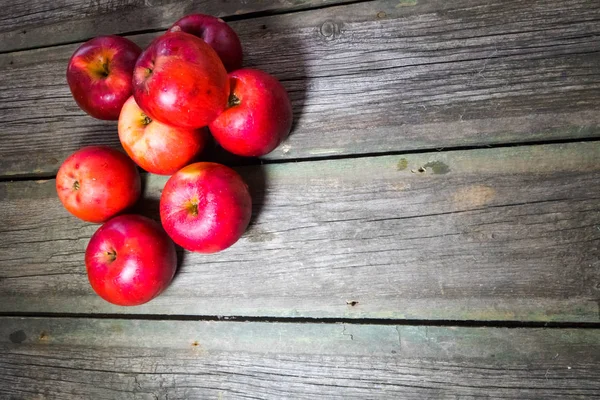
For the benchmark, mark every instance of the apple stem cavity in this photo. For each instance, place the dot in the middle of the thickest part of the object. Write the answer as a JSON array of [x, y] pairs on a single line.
[[76, 185], [112, 255], [104, 70], [193, 209], [234, 100]]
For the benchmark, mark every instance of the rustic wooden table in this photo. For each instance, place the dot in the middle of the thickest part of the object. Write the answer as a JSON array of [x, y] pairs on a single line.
[[430, 229]]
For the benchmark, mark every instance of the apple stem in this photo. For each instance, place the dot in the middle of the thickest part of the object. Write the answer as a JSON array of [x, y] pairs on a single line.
[[234, 100], [76, 185]]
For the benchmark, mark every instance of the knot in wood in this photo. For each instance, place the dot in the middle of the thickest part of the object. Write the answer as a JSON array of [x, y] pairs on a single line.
[[331, 30]]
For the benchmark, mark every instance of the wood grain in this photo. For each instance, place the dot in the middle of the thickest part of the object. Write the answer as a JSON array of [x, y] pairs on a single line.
[[364, 78], [26, 25], [494, 234], [126, 359]]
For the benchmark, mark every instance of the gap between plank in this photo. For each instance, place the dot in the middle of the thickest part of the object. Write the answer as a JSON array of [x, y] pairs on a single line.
[[316, 320], [257, 161]]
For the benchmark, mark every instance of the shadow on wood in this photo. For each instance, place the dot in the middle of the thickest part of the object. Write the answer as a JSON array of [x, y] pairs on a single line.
[[90, 133], [149, 205], [256, 179]]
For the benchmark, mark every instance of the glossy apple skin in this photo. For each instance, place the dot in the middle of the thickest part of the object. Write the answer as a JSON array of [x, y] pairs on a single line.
[[205, 207], [130, 260], [97, 182], [179, 80], [259, 116], [217, 34], [100, 73], [156, 147]]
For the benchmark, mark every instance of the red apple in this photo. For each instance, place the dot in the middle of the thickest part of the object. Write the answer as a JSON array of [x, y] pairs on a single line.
[[205, 207], [156, 147], [96, 183], [179, 80], [99, 75], [217, 34], [259, 116], [130, 260]]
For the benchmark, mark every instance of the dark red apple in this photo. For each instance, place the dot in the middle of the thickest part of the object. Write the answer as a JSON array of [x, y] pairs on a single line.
[[217, 34], [179, 80], [96, 183], [130, 260], [154, 146], [99, 75], [205, 207], [259, 115]]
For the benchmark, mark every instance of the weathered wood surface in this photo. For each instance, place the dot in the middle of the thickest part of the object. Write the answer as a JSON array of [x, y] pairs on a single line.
[[364, 78], [41, 23], [126, 359], [492, 234]]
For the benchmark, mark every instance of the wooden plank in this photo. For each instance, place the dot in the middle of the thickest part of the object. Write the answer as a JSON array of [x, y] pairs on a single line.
[[493, 234], [127, 359], [365, 78], [44, 23]]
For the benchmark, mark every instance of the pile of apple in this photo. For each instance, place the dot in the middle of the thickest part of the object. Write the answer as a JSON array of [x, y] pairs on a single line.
[[164, 98]]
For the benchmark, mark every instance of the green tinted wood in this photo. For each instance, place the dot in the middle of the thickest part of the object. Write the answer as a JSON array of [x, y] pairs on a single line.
[[125, 359], [495, 234]]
